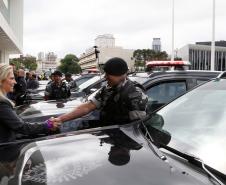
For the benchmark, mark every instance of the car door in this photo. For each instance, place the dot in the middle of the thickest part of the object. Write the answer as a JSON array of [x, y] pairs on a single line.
[[162, 92]]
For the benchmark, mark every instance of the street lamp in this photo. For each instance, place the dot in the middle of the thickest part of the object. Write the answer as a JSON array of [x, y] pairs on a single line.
[[96, 51], [172, 53], [213, 39]]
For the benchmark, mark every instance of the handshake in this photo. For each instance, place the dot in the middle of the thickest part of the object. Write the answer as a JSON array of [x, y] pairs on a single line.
[[53, 124]]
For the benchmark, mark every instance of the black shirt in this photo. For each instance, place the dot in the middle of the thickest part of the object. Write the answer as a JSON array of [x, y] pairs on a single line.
[[11, 123]]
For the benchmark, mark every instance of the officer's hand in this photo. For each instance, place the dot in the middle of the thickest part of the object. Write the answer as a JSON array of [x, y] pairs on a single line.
[[56, 122]]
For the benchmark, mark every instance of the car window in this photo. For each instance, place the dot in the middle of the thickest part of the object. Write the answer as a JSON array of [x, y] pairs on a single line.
[[100, 84], [201, 81], [89, 82], [163, 93], [82, 80], [140, 80]]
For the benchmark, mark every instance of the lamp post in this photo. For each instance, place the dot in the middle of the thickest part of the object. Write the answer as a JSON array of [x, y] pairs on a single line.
[[96, 51], [213, 39], [172, 52]]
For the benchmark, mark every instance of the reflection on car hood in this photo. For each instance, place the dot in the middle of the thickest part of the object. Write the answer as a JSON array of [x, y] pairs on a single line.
[[100, 157], [44, 108]]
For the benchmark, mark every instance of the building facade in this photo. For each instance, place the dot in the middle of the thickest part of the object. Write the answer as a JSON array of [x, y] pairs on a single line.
[[11, 28], [221, 43], [47, 62], [107, 50], [88, 59], [156, 44], [200, 56], [105, 41], [41, 56]]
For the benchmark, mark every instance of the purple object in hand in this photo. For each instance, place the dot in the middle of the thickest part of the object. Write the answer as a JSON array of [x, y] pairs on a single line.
[[49, 124]]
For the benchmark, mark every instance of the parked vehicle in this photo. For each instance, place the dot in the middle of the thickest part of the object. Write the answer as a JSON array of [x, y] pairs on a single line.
[[163, 87], [182, 143]]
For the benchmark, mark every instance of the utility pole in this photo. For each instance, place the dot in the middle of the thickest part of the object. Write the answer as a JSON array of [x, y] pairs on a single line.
[[97, 58], [172, 52], [213, 40]]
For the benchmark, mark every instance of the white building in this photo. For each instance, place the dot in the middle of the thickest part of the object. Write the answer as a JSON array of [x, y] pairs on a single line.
[[47, 62], [105, 41], [200, 56], [41, 56], [88, 59], [107, 50], [156, 44], [11, 28]]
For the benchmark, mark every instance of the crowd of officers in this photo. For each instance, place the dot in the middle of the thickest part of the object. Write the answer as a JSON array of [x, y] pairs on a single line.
[[57, 88], [24, 81]]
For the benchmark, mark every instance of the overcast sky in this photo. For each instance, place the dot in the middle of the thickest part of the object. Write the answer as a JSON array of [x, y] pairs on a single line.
[[70, 26]]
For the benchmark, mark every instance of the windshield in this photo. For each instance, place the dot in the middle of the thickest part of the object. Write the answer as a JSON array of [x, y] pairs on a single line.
[[196, 123], [90, 82]]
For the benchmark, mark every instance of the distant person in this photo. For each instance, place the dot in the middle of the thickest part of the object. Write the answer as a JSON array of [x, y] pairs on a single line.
[[57, 89], [51, 78], [20, 87], [28, 76], [11, 124], [70, 81], [33, 82], [44, 77], [14, 70]]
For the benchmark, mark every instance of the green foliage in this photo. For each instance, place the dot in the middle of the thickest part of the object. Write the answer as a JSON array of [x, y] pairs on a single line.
[[70, 64], [25, 62], [30, 63], [16, 62], [143, 55]]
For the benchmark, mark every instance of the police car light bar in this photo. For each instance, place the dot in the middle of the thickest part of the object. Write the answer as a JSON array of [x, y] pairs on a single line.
[[167, 63]]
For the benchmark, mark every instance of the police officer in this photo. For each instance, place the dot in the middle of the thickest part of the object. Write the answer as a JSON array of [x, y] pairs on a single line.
[[32, 82], [72, 84], [121, 101], [20, 87], [57, 89]]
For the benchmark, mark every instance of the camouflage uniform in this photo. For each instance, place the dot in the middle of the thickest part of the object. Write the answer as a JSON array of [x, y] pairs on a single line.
[[55, 92], [122, 104]]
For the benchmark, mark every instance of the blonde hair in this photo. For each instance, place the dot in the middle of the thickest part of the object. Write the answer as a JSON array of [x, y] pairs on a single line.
[[4, 72]]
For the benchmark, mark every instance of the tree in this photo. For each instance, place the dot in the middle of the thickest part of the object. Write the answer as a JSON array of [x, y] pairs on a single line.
[[28, 62], [143, 55], [69, 64]]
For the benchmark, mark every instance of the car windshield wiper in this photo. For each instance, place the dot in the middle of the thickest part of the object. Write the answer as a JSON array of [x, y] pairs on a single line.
[[197, 161]]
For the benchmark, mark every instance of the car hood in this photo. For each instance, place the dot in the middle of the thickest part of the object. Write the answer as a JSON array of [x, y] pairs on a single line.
[[101, 157], [47, 108]]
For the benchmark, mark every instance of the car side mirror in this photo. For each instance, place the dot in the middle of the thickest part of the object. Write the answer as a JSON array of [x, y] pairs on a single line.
[[160, 137], [154, 126]]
